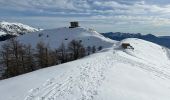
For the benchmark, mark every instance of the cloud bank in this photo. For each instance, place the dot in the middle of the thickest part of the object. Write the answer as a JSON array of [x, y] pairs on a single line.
[[150, 13]]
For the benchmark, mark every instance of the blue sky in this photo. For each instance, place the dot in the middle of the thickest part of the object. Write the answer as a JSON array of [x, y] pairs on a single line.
[[144, 16]]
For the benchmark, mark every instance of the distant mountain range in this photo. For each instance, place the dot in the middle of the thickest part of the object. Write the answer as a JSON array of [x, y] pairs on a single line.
[[167, 37], [8, 30], [162, 40]]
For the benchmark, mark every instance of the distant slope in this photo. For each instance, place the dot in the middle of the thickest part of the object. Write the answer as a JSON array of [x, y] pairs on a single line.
[[8, 30], [167, 37], [114, 74], [55, 37], [164, 41]]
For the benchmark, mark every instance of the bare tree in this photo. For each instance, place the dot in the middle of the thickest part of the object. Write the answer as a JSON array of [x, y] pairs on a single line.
[[88, 50], [13, 57], [76, 48], [29, 59], [40, 54], [82, 52], [53, 59], [100, 48], [5, 58], [62, 53], [93, 49]]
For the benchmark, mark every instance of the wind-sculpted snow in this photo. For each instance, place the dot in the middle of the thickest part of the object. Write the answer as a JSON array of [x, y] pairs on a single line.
[[112, 74]]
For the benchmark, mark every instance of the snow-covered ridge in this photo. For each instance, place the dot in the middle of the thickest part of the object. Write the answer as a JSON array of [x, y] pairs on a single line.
[[113, 74], [147, 51], [55, 37], [15, 28], [161, 40]]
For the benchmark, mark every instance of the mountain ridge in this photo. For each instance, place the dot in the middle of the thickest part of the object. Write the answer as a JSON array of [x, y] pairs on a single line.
[[8, 30], [162, 40]]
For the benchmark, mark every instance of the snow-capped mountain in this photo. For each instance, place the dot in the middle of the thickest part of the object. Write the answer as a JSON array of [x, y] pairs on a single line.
[[164, 40], [55, 37], [15, 29], [112, 74]]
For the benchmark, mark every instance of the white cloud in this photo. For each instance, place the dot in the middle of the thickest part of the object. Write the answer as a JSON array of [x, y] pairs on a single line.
[[111, 12], [98, 7]]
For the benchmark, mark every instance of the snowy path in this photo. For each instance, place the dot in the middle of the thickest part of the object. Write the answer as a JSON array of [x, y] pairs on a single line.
[[81, 83]]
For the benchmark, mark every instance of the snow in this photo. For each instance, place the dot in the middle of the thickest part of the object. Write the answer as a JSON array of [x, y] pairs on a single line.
[[55, 37], [153, 52], [20, 25], [2, 33], [15, 28], [112, 74]]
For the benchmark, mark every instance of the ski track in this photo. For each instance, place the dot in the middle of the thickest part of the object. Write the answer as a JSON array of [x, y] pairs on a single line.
[[155, 70], [84, 83]]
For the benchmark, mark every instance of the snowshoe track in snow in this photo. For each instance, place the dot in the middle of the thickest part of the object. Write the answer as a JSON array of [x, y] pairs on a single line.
[[85, 83], [86, 78]]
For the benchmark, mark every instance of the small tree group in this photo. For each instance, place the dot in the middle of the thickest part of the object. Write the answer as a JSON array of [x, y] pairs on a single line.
[[44, 56], [93, 49], [18, 58], [76, 49]]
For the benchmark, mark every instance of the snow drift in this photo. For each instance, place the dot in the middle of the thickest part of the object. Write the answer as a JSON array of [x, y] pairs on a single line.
[[113, 74]]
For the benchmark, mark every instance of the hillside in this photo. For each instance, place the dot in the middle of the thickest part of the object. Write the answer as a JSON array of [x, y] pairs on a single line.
[[55, 37], [8, 30], [112, 74], [162, 40]]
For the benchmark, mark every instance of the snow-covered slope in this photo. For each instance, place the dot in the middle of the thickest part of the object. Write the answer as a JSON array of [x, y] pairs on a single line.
[[147, 51], [113, 74], [15, 28], [55, 37]]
